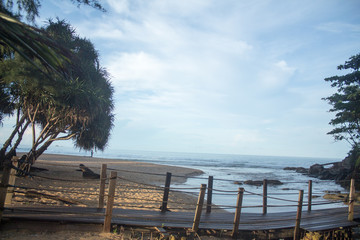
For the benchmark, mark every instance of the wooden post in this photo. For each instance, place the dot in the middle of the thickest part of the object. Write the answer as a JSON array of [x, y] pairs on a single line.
[[110, 202], [237, 212], [102, 185], [166, 192], [309, 195], [199, 206], [12, 178], [351, 200], [298, 216], [209, 194], [4, 185], [265, 196]]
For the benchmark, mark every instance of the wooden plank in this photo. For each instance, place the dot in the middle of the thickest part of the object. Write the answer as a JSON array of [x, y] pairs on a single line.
[[33, 194], [166, 193], [110, 202], [309, 195], [3, 186], [209, 194], [199, 207], [237, 212], [12, 178], [315, 220], [351, 200], [298, 216], [265, 184], [102, 185]]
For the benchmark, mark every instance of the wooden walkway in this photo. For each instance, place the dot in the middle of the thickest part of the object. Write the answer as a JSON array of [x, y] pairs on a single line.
[[316, 220]]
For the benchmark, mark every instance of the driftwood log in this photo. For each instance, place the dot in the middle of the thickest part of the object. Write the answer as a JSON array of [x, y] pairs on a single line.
[[87, 173], [35, 194]]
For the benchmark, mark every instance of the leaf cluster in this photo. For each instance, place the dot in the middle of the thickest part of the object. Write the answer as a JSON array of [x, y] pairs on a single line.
[[346, 102], [75, 105]]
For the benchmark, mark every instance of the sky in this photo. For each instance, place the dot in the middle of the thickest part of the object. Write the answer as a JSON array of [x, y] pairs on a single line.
[[229, 76]]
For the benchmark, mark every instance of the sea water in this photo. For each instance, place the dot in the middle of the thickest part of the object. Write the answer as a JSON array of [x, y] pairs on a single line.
[[228, 170]]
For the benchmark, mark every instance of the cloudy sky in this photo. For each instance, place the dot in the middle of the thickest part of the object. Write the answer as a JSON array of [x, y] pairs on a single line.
[[229, 76]]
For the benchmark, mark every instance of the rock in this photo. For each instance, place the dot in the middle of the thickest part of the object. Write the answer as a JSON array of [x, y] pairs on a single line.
[[260, 183], [87, 173], [274, 182], [315, 170], [338, 196], [290, 168], [297, 169], [238, 183], [253, 183], [302, 170], [326, 175]]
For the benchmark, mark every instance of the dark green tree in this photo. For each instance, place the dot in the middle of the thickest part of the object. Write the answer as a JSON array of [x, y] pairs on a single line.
[[346, 104], [30, 42], [79, 108]]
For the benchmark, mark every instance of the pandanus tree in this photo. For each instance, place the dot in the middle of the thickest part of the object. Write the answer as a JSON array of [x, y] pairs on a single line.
[[78, 106], [29, 42]]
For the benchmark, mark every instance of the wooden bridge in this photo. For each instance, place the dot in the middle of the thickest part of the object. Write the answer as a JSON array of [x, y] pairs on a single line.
[[298, 222], [325, 220], [316, 220]]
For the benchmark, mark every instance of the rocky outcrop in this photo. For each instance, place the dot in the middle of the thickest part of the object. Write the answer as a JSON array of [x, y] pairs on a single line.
[[298, 169], [338, 171], [260, 183]]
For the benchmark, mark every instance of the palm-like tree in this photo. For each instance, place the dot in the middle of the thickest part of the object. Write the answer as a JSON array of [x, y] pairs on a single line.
[[78, 108]]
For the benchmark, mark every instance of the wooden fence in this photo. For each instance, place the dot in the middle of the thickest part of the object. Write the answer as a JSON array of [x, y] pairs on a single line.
[[8, 187]]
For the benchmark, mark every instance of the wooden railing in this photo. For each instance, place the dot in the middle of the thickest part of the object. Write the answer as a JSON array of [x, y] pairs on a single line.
[[8, 185]]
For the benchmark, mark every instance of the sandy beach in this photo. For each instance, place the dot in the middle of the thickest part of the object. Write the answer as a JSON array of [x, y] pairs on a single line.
[[136, 184], [137, 188]]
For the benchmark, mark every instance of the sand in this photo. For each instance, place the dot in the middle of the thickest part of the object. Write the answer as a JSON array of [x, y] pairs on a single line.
[[137, 184], [137, 188]]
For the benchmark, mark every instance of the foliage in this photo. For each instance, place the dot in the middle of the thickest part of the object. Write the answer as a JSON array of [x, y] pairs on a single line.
[[346, 103], [31, 7], [51, 78], [78, 108]]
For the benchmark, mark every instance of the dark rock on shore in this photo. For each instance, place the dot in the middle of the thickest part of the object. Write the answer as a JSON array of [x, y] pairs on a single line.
[[260, 183], [297, 169], [340, 172]]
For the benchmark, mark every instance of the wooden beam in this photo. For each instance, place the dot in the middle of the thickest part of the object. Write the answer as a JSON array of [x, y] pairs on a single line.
[[110, 202], [102, 185], [309, 195], [199, 207], [237, 213], [265, 196], [209, 194], [166, 193], [4, 185], [351, 200], [12, 178], [298, 216]]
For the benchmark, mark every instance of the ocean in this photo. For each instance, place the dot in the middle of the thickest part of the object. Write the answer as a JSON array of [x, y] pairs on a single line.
[[227, 169]]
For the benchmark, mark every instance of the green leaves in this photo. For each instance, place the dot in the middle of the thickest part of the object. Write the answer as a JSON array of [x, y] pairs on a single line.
[[346, 103], [31, 44]]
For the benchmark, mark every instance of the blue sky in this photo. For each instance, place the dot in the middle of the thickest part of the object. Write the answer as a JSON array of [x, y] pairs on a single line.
[[232, 76]]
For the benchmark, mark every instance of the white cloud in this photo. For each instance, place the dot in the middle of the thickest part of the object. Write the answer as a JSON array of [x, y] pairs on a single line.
[[136, 71], [224, 76], [339, 27], [119, 6], [247, 136], [277, 75]]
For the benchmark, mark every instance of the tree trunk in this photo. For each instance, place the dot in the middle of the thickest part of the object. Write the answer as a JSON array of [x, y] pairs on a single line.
[[12, 151], [35, 154]]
